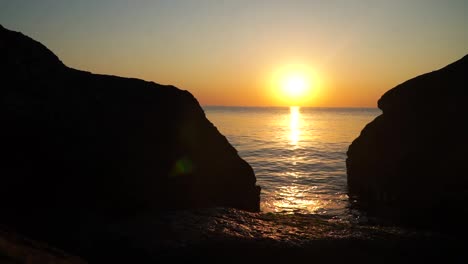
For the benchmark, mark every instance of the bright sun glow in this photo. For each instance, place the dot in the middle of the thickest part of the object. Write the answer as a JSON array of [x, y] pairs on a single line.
[[295, 85]]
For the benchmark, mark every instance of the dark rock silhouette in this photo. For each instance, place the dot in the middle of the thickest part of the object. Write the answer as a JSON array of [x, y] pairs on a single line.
[[407, 165], [78, 146]]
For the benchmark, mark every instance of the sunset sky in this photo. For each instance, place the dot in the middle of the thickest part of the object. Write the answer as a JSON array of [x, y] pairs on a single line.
[[243, 52]]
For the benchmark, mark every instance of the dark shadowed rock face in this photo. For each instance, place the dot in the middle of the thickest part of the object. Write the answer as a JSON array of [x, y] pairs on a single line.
[[408, 165], [76, 144]]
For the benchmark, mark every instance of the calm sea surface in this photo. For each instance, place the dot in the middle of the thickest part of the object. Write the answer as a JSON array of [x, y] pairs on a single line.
[[298, 154]]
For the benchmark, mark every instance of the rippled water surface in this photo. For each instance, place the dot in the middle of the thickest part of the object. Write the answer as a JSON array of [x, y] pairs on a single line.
[[298, 154]]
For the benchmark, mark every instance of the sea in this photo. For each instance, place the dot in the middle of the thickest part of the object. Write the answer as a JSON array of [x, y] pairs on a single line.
[[298, 153]]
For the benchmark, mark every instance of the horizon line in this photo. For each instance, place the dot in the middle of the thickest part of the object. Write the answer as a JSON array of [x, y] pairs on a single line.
[[280, 106]]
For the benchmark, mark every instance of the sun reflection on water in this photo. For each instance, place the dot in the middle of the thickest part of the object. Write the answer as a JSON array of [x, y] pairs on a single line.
[[294, 198], [294, 124], [297, 153]]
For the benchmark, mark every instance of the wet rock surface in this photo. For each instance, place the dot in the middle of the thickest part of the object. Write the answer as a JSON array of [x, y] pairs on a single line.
[[233, 236]]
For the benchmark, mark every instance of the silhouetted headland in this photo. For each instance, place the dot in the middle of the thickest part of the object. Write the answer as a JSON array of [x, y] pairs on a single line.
[[408, 165]]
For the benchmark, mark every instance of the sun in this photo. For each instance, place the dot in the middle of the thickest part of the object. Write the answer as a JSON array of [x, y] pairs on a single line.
[[295, 85]]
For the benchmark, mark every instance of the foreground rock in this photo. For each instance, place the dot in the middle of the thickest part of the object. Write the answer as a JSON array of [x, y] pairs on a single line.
[[234, 236], [77, 147], [408, 165], [15, 248]]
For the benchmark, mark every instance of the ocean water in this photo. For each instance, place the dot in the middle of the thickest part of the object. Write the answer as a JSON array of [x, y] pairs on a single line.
[[298, 154]]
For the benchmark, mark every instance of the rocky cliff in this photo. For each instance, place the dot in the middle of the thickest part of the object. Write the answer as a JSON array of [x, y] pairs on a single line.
[[408, 164], [78, 146]]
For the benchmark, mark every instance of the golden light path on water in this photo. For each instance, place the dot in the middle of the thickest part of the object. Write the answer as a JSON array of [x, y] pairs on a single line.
[[293, 197], [295, 130], [298, 153]]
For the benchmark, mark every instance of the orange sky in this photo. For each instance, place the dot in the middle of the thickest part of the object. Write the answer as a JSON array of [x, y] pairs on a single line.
[[228, 52]]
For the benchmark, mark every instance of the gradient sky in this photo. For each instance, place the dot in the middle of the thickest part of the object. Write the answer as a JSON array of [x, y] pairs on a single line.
[[227, 52]]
